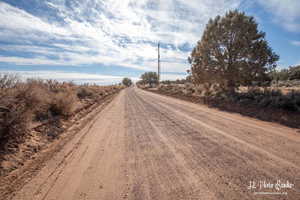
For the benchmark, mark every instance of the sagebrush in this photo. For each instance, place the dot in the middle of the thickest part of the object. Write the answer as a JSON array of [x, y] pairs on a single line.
[[37, 101]]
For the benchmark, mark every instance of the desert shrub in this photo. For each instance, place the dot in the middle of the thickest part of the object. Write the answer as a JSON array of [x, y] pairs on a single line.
[[41, 99], [63, 104], [53, 86], [166, 82], [34, 100], [255, 96], [15, 115], [84, 92], [14, 124], [287, 74], [8, 81], [269, 99], [287, 83]]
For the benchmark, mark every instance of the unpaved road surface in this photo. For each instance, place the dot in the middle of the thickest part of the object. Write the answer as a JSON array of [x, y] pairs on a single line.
[[147, 146]]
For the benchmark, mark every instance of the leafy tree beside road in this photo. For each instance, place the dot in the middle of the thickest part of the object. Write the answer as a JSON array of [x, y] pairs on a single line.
[[127, 82], [232, 52], [150, 78]]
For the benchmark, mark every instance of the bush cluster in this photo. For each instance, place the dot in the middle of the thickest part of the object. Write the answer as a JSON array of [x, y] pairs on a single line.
[[269, 99], [287, 74], [22, 103], [263, 98], [287, 83]]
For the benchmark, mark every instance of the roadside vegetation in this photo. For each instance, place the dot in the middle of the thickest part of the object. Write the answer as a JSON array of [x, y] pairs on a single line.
[[127, 82], [149, 79], [233, 68], [288, 78], [41, 107]]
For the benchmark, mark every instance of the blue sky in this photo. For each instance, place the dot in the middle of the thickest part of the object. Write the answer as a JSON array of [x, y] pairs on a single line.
[[103, 40]]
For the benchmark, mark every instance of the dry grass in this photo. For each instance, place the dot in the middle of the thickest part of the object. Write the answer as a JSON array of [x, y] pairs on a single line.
[[33, 101], [284, 90], [63, 103]]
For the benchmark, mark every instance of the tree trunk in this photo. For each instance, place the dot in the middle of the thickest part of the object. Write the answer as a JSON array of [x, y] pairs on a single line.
[[230, 86]]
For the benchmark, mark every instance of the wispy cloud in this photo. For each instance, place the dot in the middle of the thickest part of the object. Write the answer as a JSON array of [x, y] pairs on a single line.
[[295, 43], [79, 78], [38, 60], [109, 32]]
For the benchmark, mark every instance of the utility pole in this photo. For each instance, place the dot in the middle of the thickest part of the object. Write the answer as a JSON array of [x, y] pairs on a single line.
[[158, 63]]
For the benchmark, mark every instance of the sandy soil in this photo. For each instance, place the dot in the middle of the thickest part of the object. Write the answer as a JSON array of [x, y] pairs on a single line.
[[147, 146]]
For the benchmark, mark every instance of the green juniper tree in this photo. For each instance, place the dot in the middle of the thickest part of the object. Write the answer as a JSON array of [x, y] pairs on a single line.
[[231, 52]]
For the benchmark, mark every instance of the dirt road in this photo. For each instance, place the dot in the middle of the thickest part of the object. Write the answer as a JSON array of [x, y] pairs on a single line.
[[147, 146]]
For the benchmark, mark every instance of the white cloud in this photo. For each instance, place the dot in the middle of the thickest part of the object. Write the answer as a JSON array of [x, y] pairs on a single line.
[[111, 32], [285, 12], [295, 43], [172, 76], [28, 61], [79, 78], [12, 18]]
